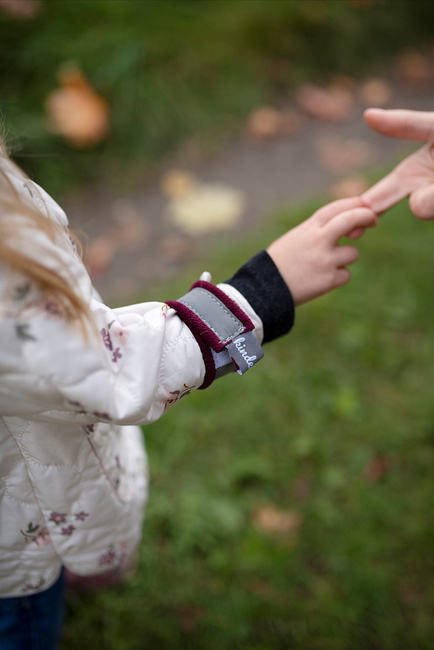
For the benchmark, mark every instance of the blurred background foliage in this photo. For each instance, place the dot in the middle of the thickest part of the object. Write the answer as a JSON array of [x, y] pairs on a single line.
[[178, 72], [292, 509]]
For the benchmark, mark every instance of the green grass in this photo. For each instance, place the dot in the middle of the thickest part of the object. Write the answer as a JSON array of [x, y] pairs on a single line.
[[350, 385], [182, 73]]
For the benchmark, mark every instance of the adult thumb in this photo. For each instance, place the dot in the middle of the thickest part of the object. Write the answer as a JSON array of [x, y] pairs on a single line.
[[422, 202]]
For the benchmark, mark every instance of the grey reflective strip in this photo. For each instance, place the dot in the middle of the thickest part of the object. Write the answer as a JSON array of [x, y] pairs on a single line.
[[245, 351], [216, 316]]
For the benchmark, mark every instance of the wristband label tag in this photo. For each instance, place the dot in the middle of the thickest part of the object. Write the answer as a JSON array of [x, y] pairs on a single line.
[[245, 351]]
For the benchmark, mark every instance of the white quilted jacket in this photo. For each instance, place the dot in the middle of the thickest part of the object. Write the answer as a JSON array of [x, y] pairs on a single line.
[[73, 474]]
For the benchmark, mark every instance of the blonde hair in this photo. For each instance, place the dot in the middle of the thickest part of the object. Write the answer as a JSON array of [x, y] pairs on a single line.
[[17, 213]]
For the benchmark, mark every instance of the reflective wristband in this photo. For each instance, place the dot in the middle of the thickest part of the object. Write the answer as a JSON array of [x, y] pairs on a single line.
[[218, 324]]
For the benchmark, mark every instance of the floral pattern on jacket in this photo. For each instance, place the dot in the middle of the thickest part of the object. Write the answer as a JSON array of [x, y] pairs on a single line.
[[70, 406]]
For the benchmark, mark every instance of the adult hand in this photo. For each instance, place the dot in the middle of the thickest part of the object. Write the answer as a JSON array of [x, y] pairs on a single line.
[[414, 176]]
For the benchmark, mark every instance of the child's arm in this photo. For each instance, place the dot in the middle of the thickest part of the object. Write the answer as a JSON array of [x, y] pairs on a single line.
[[301, 265], [147, 356]]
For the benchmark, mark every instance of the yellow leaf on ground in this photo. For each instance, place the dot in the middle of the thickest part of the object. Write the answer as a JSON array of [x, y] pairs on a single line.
[[271, 520], [198, 207], [177, 182]]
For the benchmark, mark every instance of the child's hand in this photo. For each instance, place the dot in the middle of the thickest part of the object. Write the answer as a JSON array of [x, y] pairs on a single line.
[[309, 257]]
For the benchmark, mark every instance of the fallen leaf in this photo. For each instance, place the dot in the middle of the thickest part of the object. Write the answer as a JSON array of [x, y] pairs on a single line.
[[267, 122], [376, 92], [271, 520], [177, 182], [376, 469], [341, 155], [21, 8], [348, 187], [76, 111], [333, 104], [263, 123], [414, 69], [200, 207]]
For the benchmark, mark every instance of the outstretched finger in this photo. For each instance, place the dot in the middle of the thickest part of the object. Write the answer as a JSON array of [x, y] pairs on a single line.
[[398, 123], [389, 191], [411, 174], [347, 222], [414, 172], [331, 210]]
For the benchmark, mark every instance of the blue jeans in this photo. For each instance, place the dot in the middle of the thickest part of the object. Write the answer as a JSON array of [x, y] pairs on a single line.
[[33, 622]]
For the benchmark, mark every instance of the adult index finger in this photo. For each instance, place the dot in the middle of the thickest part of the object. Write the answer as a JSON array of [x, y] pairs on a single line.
[[400, 123], [386, 193], [411, 174]]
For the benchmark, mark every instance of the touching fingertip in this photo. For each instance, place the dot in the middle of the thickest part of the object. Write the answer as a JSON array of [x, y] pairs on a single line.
[[366, 202]]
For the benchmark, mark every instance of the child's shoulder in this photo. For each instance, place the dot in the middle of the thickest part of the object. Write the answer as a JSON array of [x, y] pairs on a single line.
[[30, 193]]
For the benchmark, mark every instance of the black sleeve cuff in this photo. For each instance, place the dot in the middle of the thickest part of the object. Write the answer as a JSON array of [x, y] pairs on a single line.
[[260, 282]]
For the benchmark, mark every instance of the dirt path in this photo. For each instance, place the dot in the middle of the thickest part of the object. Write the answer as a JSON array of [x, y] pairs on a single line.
[[132, 242]]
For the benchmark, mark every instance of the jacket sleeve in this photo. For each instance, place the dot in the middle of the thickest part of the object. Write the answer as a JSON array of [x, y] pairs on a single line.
[[134, 364], [141, 360]]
